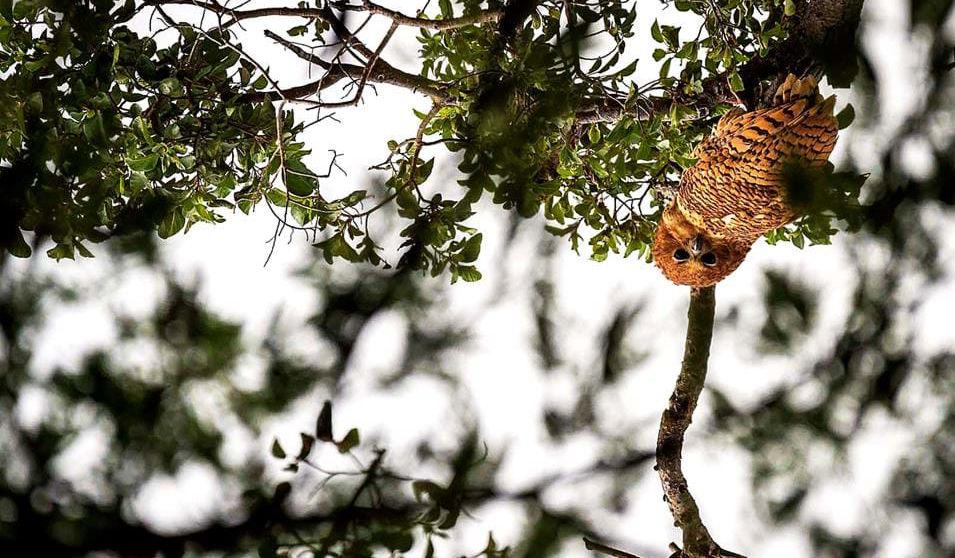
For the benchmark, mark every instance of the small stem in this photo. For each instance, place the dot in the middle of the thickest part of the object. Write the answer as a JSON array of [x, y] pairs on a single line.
[[608, 550]]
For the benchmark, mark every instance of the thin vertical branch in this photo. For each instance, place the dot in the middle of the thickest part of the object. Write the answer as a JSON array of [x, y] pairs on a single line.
[[697, 542]]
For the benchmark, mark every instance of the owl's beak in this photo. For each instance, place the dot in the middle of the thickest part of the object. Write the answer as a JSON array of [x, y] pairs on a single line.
[[696, 245]]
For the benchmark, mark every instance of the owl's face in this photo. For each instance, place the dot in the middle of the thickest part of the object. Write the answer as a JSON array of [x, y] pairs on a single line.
[[688, 256]]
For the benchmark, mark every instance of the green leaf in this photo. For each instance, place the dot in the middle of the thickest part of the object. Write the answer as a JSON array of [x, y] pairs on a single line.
[[143, 164], [799, 240], [665, 68], [19, 248], [471, 249], [137, 182], [846, 116], [789, 7], [61, 251], [141, 128], [655, 32], [323, 426], [736, 82], [35, 102], [170, 86], [93, 129], [277, 450], [83, 250], [355, 197], [469, 273], [431, 489], [336, 245], [423, 171], [172, 223], [349, 441], [299, 185], [671, 36], [307, 443], [445, 6]]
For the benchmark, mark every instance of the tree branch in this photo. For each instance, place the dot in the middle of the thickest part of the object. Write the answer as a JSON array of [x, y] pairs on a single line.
[[240, 15], [608, 550], [609, 110], [383, 72], [816, 37], [697, 542], [486, 16]]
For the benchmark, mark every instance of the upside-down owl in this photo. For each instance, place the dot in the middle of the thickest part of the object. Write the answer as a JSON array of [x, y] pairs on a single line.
[[735, 192]]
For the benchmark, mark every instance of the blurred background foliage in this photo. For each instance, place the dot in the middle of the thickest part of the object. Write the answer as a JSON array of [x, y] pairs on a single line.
[[342, 495]]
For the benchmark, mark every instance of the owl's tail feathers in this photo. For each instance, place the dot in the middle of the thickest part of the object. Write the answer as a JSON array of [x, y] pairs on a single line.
[[812, 136], [794, 88], [827, 106]]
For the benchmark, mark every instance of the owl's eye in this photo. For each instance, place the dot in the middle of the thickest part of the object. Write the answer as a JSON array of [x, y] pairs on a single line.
[[681, 255], [708, 259]]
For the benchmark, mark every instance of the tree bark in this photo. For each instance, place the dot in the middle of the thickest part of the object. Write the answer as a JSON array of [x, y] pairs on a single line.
[[697, 542]]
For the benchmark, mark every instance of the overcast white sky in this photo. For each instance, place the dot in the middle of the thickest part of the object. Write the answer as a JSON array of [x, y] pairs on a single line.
[[505, 387]]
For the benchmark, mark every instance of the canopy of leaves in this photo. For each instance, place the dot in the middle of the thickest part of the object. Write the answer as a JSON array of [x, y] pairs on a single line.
[[117, 117]]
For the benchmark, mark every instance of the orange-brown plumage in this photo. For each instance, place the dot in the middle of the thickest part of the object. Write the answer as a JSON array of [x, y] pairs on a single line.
[[735, 193]]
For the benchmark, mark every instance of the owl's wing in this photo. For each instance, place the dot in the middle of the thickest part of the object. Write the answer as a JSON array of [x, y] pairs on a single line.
[[735, 188], [752, 147]]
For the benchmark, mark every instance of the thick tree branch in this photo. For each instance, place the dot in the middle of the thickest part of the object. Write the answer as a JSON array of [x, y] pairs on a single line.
[[609, 110], [817, 37], [697, 542]]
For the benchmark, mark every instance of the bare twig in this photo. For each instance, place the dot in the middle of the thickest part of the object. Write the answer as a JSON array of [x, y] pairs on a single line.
[[608, 550], [485, 16], [412, 164], [369, 68], [399, 18], [376, 70]]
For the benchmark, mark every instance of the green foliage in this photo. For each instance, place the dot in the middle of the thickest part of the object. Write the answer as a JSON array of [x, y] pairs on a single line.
[[516, 131], [104, 131], [155, 419], [128, 135]]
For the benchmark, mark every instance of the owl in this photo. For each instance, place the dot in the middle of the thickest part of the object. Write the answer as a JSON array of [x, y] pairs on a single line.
[[735, 192]]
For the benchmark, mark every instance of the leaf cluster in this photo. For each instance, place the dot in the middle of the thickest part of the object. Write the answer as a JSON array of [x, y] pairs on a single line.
[[104, 131]]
